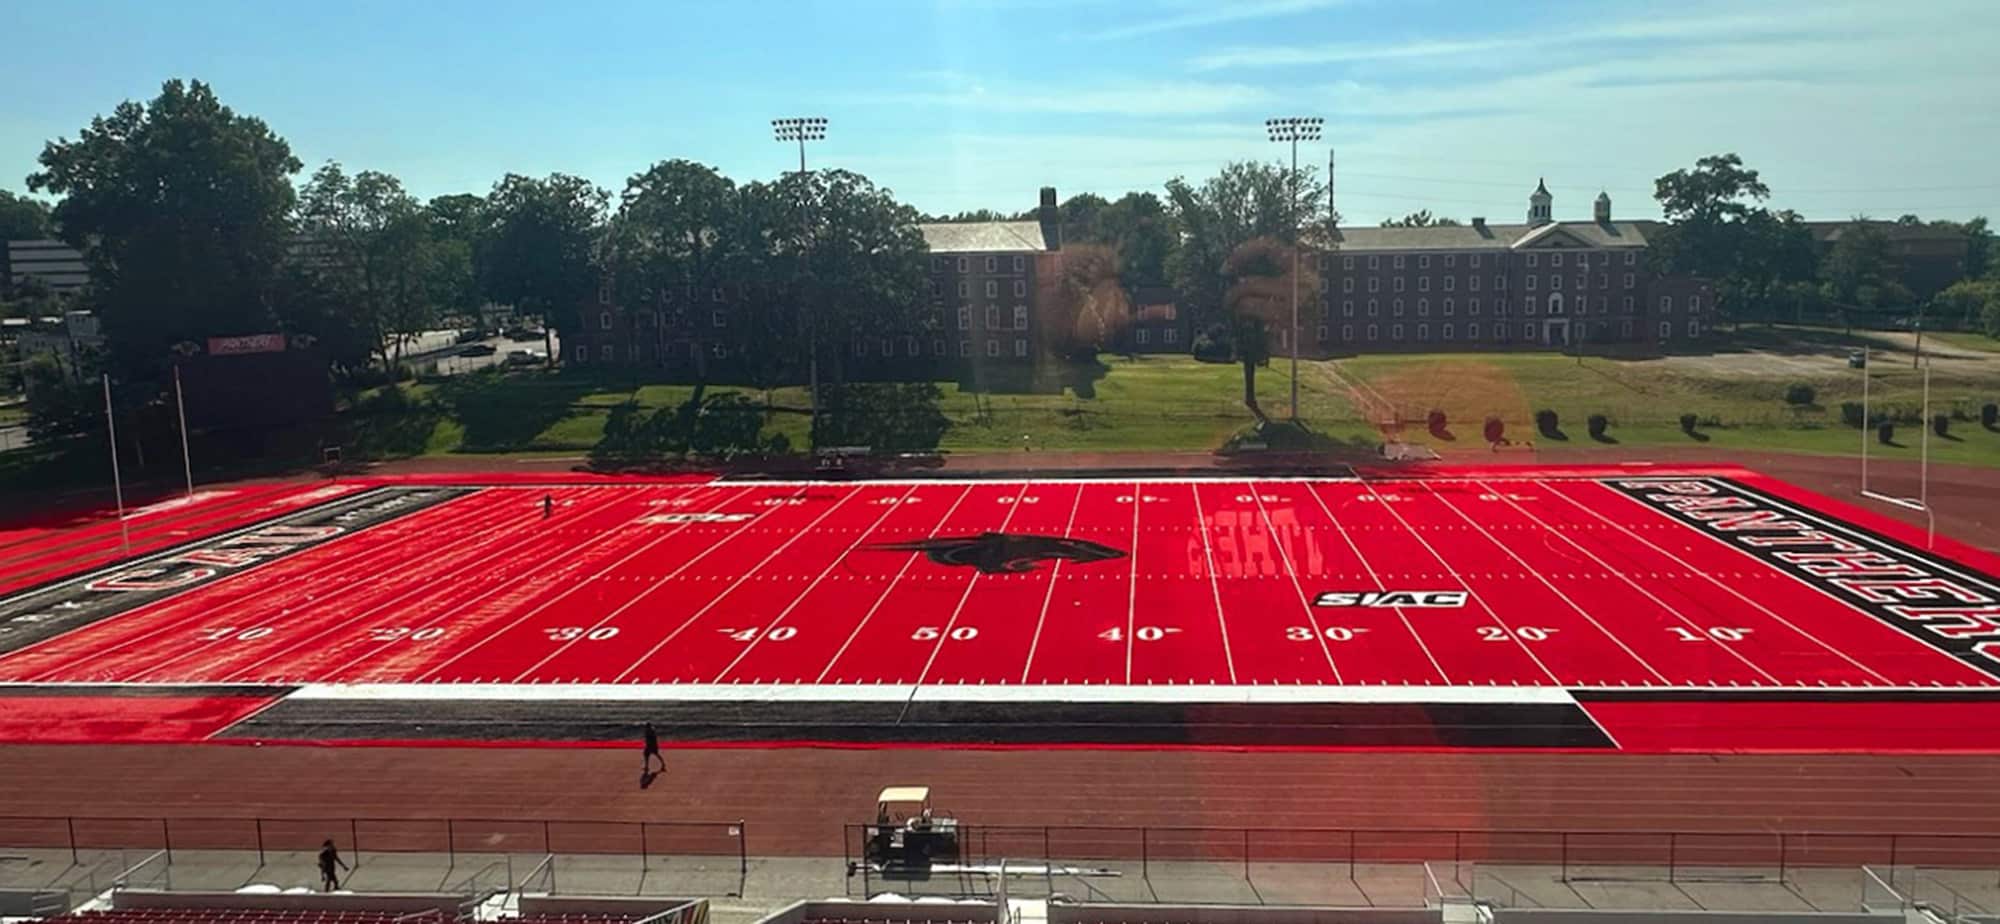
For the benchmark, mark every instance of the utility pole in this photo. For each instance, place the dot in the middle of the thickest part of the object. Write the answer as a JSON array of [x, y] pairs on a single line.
[[802, 130], [1293, 130]]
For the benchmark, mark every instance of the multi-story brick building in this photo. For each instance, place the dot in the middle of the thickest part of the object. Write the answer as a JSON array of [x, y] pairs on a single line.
[[1543, 283], [987, 283]]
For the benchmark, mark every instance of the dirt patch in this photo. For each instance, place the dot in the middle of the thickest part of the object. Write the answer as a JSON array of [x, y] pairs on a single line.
[[1468, 391]]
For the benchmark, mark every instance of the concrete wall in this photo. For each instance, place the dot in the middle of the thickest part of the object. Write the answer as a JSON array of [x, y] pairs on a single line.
[[1523, 916], [600, 904], [1062, 913], [399, 902], [926, 912]]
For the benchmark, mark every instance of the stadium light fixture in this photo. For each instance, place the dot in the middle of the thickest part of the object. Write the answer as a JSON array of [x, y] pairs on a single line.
[[1292, 130], [800, 131]]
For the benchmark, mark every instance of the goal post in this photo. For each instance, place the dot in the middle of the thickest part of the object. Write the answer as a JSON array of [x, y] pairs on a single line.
[[1921, 502]]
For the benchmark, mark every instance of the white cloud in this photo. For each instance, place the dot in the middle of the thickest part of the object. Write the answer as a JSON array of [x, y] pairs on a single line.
[[1628, 31], [1214, 14]]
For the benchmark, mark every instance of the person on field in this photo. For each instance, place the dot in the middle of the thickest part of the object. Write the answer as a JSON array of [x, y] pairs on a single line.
[[653, 749], [328, 859], [548, 505]]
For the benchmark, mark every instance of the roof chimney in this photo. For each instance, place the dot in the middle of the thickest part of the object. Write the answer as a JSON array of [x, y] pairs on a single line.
[[1051, 219], [1479, 223]]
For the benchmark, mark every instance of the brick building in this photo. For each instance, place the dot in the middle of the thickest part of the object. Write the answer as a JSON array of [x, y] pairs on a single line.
[[987, 280], [1929, 257], [1542, 283]]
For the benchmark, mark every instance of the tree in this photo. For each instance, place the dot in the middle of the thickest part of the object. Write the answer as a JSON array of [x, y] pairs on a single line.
[[1712, 192], [373, 245], [1260, 298], [1718, 233], [1246, 201], [1090, 307], [537, 246], [974, 215], [22, 218], [1861, 273], [1137, 227], [181, 208], [1966, 301], [681, 228], [1421, 219]]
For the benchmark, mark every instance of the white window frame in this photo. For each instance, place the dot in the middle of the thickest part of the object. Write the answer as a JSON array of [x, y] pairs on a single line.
[[1019, 264], [1142, 336], [992, 288], [607, 353], [992, 348], [1423, 261], [1396, 332], [1020, 317], [604, 320], [1170, 335], [1399, 261]]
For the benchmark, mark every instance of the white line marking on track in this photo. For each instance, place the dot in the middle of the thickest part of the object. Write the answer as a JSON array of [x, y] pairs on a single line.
[[1055, 573], [1214, 589], [1132, 584], [1271, 530], [890, 586], [923, 675], [1379, 585]]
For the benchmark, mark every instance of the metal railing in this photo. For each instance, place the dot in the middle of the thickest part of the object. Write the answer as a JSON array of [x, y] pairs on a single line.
[[1575, 853], [356, 837]]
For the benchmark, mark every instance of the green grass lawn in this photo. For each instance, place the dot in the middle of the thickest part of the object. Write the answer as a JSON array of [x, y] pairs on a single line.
[[1966, 341], [1176, 403]]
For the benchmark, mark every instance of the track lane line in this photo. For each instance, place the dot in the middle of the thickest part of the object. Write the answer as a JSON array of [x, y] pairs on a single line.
[[1379, 585], [1292, 571]]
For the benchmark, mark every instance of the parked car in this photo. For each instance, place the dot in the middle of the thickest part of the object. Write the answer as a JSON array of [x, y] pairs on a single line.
[[470, 336], [523, 357], [478, 349], [1856, 359]]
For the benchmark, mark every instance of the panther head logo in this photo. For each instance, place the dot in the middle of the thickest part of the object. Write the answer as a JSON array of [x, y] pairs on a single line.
[[1003, 553]]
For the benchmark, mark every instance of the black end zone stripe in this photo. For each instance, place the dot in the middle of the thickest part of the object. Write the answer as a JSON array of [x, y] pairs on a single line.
[[67, 603], [142, 690], [1512, 725], [1970, 695]]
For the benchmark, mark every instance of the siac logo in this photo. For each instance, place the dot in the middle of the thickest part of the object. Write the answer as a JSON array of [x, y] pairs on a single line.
[[1393, 598], [697, 518], [1003, 553]]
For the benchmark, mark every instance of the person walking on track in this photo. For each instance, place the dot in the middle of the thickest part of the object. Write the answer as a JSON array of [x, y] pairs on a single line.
[[328, 859], [653, 749], [548, 505]]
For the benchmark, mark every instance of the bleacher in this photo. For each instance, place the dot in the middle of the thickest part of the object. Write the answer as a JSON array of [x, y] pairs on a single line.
[[243, 916]]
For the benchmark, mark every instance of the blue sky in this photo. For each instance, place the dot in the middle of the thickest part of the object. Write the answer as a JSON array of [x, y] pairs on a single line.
[[1457, 107]]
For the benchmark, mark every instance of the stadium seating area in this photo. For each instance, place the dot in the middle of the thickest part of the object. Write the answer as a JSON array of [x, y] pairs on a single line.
[[238, 916]]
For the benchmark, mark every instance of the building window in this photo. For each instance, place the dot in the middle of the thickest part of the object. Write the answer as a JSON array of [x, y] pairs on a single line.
[[1322, 333], [1020, 317], [1423, 261], [910, 347], [1374, 308], [1170, 335], [1472, 330], [1450, 283], [606, 353], [937, 289], [1423, 307], [992, 348], [1601, 304], [1423, 283], [1347, 333], [937, 348], [1625, 329], [1142, 336], [1374, 262], [992, 289], [1424, 332], [1628, 304], [1396, 308], [1528, 301], [1472, 306], [1172, 312], [1448, 312], [1533, 258], [1396, 332], [1019, 264], [1472, 260], [1374, 284], [1372, 329], [964, 348], [965, 317], [1499, 283], [1399, 283], [1472, 284], [1531, 281], [992, 317], [1346, 262], [1555, 282], [1399, 261], [718, 319], [937, 264], [963, 265], [1555, 259], [1600, 280], [1666, 304], [582, 353], [715, 294], [1347, 308], [1631, 258], [1666, 329], [1694, 303], [992, 264], [604, 320], [1020, 288], [719, 350], [964, 289], [1347, 284], [1694, 328], [1322, 284], [1528, 332]]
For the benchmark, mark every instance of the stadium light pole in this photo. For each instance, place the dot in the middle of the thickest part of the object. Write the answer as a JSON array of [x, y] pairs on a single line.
[[1292, 130], [802, 130], [117, 486]]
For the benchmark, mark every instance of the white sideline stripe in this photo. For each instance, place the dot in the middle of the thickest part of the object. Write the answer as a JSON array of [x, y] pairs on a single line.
[[898, 692]]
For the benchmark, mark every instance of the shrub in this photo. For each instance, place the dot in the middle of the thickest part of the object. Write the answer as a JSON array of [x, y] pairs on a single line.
[[1799, 394], [1886, 433], [1495, 431], [1687, 423], [1989, 415], [1850, 414], [1435, 420], [1598, 423], [1941, 424], [1547, 422]]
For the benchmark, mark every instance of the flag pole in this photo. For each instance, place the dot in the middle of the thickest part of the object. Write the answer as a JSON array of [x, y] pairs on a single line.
[[117, 487], [180, 409]]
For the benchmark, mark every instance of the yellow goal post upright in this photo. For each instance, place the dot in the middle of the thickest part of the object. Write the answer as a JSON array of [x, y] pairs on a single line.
[[1921, 502]]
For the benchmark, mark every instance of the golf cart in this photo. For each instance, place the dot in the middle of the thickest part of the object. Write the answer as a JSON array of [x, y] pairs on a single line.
[[907, 834]]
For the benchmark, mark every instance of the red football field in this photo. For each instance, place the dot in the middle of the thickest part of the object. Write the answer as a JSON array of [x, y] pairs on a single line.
[[1638, 608]]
